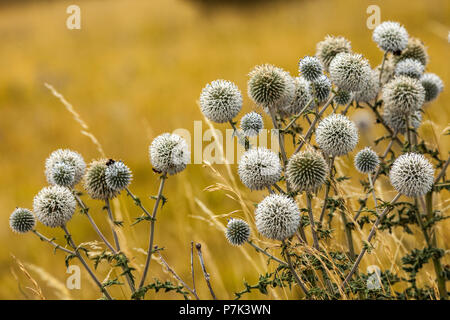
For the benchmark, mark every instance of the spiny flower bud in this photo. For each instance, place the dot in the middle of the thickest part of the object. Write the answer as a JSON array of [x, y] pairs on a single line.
[[321, 88], [259, 168], [336, 135], [169, 153], [404, 93], [432, 84], [310, 68], [366, 160], [22, 220], [396, 120], [269, 86], [414, 50], [350, 71], [251, 124], [390, 36], [95, 181], [54, 206], [412, 175], [118, 175], [410, 68], [371, 89], [342, 97], [220, 101], [306, 171], [330, 47], [68, 157], [62, 174], [238, 232], [302, 95], [277, 217]]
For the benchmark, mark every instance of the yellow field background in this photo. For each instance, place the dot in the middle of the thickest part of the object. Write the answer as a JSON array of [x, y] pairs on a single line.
[[134, 71]]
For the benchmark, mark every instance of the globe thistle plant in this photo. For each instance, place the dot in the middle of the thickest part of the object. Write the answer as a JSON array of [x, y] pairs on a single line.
[[321, 88], [95, 182], [366, 160], [54, 206], [251, 124], [169, 153], [405, 94], [371, 89], [237, 232], [22, 220], [310, 68], [410, 68], [342, 97], [306, 171], [412, 175], [259, 168], [118, 176], [62, 174], [432, 84], [416, 50], [330, 47], [350, 71], [277, 217], [68, 157], [396, 120], [390, 36], [336, 135]]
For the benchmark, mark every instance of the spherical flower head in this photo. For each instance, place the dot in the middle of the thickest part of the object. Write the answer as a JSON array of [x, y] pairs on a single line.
[[416, 50], [95, 181], [68, 157], [330, 47], [396, 119], [169, 153], [238, 232], [277, 217], [251, 124], [390, 36], [62, 174], [366, 160], [433, 85], [410, 68], [302, 95], [321, 88], [342, 97], [22, 220], [259, 168], [350, 71], [118, 176], [404, 93], [220, 101], [412, 175], [371, 89], [306, 171], [310, 68], [54, 206], [336, 135], [270, 86]]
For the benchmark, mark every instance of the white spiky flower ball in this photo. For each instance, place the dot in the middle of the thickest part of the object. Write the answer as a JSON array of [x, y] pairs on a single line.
[[118, 176], [412, 175], [277, 217], [433, 85], [302, 95], [54, 206], [390, 36], [371, 89], [68, 157], [270, 86], [220, 101], [310, 68], [306, 171], [350, 71], [396, 119], [366, 160], [62, 174], [343, 97], [259, 168], [237, 232], [404, 94], [251, 124], [321, 88], [327, 49], [416, 50], [410, 68], [169, 153], [22, 220], [95, 181], [336, 135]]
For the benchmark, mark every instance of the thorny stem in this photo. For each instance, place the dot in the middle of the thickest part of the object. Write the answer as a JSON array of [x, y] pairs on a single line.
[[311, 221], [279, 188], [239, 136], [113, 224], [266, 253], [298, 115], [382, 69], [198, 246], [192, 267], [347, 107], [137, 201], [442, 173], [294, 274], [348, 234], [86, 266], [152, 230], [372, 189], [57, 246], [327, 189]]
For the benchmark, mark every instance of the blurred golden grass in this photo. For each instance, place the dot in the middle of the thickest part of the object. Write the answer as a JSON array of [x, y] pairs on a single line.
[[136, 70]]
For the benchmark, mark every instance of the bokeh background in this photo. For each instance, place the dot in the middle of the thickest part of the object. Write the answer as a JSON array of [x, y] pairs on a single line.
[[135, 70]]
